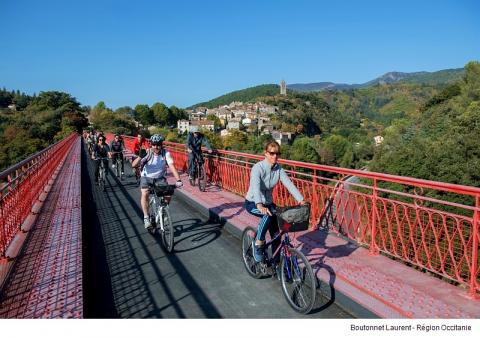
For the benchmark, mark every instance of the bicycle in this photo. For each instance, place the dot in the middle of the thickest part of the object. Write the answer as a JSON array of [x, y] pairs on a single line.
[[90, 147], [296, 275], [136, 170], [118, 164], [198, 173], [159, 212], [102, 173]]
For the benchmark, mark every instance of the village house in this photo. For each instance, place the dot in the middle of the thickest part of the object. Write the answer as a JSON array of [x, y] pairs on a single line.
[[282, 138], [203, 125], [182, 126]]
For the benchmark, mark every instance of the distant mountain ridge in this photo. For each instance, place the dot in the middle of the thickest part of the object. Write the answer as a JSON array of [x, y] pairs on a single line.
[[431, 78]]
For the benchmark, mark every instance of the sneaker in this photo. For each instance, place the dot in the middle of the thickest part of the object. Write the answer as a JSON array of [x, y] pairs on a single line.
[[257, 252], [146, 222]]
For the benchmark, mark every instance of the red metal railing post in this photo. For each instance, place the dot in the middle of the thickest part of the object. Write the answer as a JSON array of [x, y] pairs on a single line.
[[373, 225], [474, 267]]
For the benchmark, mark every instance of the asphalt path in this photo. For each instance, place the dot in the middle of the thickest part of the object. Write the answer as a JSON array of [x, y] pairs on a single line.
[[127, 274]]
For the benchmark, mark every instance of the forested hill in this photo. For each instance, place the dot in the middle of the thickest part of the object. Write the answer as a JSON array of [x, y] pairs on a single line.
[[244, 95], [442, 141]]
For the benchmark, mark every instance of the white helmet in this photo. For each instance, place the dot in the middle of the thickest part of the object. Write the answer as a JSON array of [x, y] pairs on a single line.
[[157, 138]]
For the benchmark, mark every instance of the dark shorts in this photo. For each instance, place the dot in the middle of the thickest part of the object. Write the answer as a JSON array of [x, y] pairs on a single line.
[[146, 182]]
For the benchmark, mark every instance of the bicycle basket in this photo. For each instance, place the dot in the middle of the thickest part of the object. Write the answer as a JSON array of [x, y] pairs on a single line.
[[162, 189], [293, 219]]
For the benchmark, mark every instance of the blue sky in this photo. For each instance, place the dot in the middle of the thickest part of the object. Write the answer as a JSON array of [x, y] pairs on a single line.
[[184, 52]]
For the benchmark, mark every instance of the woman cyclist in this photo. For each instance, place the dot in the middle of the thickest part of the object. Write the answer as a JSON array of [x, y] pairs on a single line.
[[100, 150], [259, 202]]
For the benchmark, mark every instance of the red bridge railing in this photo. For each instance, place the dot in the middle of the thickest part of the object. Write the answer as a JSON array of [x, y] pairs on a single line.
[[432, 226], [22, 184]]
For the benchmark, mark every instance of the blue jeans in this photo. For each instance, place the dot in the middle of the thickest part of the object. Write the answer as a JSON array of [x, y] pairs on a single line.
[[266, 222], [191, 161]]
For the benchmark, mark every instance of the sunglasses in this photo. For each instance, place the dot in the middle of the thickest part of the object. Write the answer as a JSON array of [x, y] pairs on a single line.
[[156, 144], [272, 153]]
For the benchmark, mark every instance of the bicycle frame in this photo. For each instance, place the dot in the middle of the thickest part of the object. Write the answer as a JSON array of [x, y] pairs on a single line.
[[159, 204], [284, 243]]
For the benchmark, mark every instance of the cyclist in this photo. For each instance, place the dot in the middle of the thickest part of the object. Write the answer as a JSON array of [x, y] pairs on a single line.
[[195, 139], [100, 150], [140, 146], [139, 149], [91, 141], [259, 202], [116, 148], [154, 166]]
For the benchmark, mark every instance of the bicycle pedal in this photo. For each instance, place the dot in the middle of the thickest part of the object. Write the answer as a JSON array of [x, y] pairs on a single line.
[[263, 268]]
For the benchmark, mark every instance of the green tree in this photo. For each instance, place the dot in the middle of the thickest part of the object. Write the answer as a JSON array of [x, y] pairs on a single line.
[[144, 114], [162, 114], [333, 150], [236, 141], [303, 150]]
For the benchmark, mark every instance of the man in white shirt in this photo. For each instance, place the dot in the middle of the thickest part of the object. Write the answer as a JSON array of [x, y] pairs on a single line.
[[154, 167]]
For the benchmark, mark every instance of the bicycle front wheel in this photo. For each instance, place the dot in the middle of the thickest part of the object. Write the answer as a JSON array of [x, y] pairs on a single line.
[[202, 178], [167, 233], [298, 281], [252, 267], [152, 211], [102, 179]]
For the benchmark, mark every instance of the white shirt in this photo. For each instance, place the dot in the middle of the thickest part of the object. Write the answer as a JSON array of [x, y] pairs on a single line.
[[157, 166]]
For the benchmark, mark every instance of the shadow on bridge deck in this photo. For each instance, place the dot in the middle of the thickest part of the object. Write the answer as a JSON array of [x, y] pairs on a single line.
[[121, 284]]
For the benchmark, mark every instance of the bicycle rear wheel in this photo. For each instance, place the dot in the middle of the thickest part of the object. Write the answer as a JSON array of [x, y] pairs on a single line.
[[202, 178], [252, 267], [298, 281], [191, 177], [118, 169], [167, 233]]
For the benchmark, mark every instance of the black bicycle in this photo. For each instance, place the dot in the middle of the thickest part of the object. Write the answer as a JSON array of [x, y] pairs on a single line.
[[198, 175], [299, 284], [117, 163], [159, 212], [136, 170], [102, 171]]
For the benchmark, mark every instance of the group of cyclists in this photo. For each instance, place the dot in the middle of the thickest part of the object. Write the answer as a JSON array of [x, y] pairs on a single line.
[[152, 160]]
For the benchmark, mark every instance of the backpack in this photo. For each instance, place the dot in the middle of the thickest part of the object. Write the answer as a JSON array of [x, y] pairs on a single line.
[[149, 157]]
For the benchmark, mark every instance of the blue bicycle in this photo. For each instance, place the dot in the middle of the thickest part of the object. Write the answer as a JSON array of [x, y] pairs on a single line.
[[299, 284]]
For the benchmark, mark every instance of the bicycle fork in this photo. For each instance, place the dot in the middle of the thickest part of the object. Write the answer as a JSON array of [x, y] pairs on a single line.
[[159, 218]]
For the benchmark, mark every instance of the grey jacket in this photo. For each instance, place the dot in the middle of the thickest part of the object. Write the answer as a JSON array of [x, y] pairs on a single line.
[[264, 178]]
